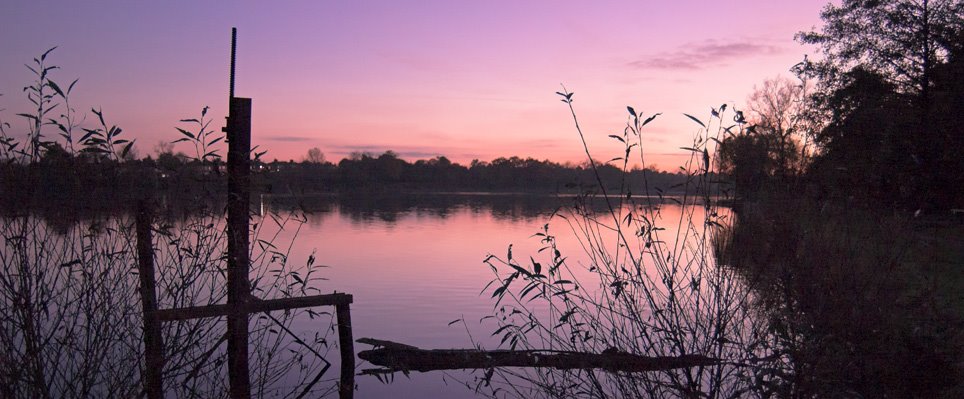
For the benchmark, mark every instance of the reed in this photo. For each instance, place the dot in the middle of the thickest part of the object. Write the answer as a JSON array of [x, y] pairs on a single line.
[[70, 315], [634, 282]]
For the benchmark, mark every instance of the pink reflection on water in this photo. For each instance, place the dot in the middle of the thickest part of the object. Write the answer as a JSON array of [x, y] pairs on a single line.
[[414, 270]]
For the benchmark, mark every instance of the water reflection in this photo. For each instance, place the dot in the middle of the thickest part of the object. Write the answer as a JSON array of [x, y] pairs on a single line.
[[413, 264], [390, 208]]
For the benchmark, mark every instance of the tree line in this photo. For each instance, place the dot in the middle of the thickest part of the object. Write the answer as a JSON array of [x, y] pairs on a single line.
[[513, 174], [72, 183], [874, 120]]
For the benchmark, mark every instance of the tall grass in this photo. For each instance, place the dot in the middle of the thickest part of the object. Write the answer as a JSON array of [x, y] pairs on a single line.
[[634, 282], [71, 317], [70, 313]]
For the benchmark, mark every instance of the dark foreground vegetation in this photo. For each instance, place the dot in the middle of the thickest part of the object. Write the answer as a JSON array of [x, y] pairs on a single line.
[[853, 244], [863, 302]]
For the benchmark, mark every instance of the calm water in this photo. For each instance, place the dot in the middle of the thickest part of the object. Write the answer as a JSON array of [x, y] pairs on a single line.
[[414, 265]]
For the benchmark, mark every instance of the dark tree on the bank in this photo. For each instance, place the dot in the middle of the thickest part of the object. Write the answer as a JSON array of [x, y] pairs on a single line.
[[902, 40], [889, 78]]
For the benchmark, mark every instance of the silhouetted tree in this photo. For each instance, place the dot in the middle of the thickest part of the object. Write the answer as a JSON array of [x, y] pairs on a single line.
[[865, 141], [901, 40], [777, 111], [389, 168], [745, 159], [55, 153], [163, 147], [884, 87], [315, 156], [945, 116]]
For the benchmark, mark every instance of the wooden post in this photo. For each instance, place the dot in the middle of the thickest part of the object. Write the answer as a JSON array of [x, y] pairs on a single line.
[[239, 197], [239, 284], [346, 386], [240, 302], [153, 342]]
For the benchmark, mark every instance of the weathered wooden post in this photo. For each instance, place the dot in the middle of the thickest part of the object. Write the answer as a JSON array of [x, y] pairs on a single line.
[[346, 385], [238, 131], [153, 342]]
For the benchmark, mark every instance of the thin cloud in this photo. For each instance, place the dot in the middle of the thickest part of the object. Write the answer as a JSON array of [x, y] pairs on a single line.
[[539, 143], [288, 139], [703, 55]]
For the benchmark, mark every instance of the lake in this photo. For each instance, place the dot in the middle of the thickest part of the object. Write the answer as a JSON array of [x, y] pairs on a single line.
[[415, 267]]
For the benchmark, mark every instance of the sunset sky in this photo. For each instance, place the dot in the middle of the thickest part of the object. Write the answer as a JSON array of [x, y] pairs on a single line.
[[462, 79]]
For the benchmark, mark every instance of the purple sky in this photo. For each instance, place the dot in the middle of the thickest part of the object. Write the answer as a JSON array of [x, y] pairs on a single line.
[[461, 79]]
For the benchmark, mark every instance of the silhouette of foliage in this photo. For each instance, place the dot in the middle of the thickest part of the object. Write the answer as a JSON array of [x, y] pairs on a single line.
[[902, 40], [745, 159], [889, 81]]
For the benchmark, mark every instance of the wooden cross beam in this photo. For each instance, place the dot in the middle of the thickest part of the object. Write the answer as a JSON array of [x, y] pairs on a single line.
[[241, 304], [253, 305]]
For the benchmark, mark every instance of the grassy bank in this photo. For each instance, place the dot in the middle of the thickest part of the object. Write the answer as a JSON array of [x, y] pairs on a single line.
[[863, 302]]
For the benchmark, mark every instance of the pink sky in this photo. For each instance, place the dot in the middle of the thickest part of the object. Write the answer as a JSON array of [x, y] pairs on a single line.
[[462, 79]]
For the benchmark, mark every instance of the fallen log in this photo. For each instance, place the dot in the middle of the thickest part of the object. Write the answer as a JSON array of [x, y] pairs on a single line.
[[394, 356]]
